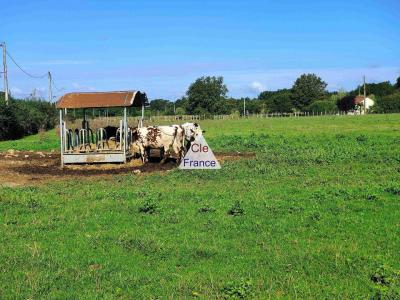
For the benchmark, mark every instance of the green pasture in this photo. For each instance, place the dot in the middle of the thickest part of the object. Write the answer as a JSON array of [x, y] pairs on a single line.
[[44, 141], [315, 214]]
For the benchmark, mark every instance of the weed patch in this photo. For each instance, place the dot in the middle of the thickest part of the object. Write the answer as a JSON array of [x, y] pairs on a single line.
[[395, 190], [242, 289], [386, 282], [236, 209], [206, 208], [148, 207]]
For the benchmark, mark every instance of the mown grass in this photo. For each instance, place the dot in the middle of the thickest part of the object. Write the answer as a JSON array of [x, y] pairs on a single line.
[[44, 141], [316, 214]]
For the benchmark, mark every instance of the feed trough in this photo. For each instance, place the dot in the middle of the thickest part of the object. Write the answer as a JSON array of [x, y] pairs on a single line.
[[81, 143]]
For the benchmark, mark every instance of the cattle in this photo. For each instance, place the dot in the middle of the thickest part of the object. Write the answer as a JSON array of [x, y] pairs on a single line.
[[111, 131], [192, 131], [159, 137]]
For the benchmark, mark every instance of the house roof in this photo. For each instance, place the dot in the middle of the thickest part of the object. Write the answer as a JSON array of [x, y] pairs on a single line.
[[359, 99], [103, 99]]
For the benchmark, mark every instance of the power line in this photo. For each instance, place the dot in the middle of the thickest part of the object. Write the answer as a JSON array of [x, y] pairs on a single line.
[[30, 75], [51, 86], [48, 74], [54, 85]]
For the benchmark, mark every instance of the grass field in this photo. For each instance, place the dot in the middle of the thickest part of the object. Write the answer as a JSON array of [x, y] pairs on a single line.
[[315, 214]]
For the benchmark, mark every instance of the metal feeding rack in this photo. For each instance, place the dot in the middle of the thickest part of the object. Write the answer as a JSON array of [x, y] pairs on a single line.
[[109, 144]]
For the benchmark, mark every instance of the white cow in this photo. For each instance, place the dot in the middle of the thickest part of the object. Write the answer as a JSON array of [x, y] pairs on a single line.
[[192, 131], [160, 137]]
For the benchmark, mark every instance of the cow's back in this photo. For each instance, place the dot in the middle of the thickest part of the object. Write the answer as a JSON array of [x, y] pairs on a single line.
[[156, 136]]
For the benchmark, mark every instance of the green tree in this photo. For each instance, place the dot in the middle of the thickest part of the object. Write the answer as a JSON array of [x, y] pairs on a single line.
[[24, 117], [9, 126], [280, 102], [183, 104], [321, 106], [388, 104], [379, 89], [307, 89], [233, 105], [207, 95], [398, 83], [277, 101], [336, 95], [180, 111], [253, 106], [161, 106]]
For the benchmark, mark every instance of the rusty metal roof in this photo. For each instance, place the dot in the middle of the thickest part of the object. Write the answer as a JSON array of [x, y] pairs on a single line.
[[359, 99], [103, 99]]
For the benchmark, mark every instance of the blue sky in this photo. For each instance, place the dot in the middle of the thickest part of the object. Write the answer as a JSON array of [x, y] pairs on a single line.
[[162, 46]]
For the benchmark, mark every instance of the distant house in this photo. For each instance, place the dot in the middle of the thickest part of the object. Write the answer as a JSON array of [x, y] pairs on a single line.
[[360, 101]]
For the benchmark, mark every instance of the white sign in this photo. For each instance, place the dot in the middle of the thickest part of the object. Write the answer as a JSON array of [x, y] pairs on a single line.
[[199, 156]]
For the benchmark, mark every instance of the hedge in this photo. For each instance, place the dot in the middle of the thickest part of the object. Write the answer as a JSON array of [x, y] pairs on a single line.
[[25, 117]]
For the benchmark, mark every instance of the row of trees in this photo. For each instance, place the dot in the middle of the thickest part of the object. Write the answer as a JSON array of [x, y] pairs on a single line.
[[208, 95], [25, 117]]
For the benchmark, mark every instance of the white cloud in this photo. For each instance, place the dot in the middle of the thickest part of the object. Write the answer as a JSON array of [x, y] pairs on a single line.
[[256, 87]]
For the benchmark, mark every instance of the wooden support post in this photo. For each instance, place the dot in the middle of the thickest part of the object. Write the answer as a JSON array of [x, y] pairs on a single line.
[[61, 138]]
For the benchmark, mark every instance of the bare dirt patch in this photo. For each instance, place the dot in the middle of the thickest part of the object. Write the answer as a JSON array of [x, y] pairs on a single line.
[[21, 168]]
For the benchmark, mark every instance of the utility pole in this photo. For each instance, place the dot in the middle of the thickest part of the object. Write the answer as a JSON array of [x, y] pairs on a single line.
[[33, 95], [365, 98], [3, 45], [244, 107], [50, 88]]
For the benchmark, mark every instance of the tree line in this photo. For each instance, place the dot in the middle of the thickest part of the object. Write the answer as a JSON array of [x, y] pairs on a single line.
[[25, 117], [208, 96]]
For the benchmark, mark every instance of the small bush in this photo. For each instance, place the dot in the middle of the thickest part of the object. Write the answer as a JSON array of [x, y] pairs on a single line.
[[315, 217], [340, 136], [148, 207], [206, 208], [33, 203], [393, 190], [236, 209], [386, 283], [361, 138], [371, 197], [146, 246], [238, 290]]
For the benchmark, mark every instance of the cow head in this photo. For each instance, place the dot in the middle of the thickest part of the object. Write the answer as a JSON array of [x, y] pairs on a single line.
[[192, 131]]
